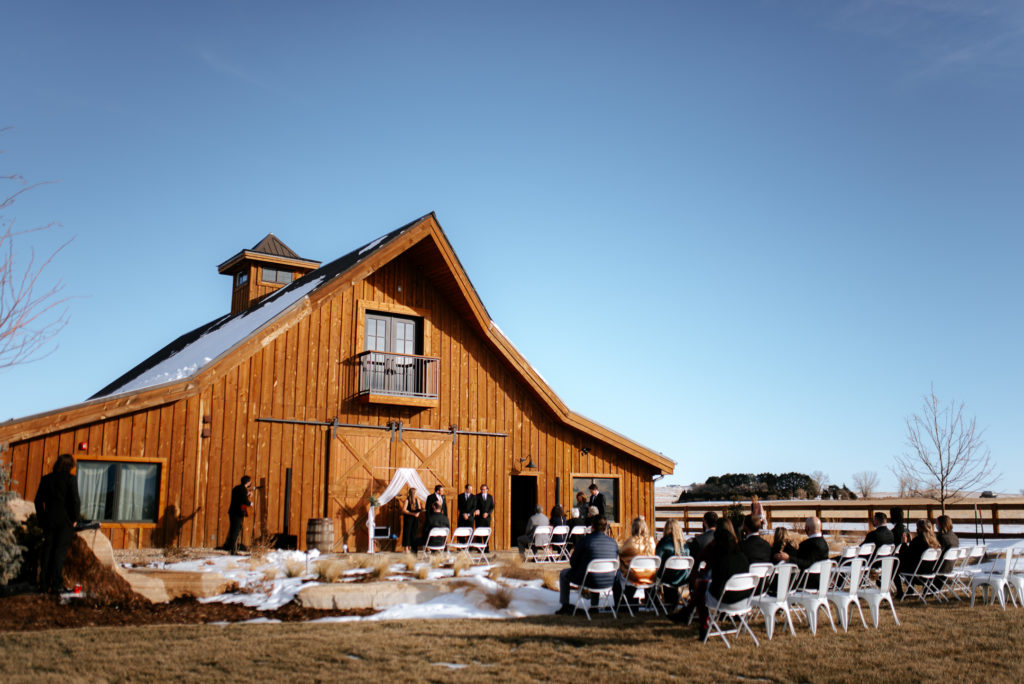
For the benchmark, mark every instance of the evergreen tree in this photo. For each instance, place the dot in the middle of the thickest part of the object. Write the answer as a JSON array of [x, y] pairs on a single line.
[[10, 550]]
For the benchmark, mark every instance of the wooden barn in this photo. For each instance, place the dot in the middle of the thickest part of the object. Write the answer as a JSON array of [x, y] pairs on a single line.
[[319, 384]]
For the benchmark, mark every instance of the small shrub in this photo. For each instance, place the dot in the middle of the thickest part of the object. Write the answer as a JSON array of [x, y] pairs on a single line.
[[498, 598], [10, 550], [329, 570], [410, 562], [381, 568], [271, 574], [422, 571]]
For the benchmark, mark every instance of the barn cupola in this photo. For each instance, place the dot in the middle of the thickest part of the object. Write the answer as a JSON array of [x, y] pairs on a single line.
[[266, 268]]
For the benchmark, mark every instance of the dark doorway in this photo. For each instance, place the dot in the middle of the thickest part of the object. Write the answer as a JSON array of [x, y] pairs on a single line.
[[524, 499]]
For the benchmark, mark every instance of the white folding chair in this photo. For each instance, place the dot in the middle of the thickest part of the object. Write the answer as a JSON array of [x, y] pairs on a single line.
[[945, 571], [808, 600], [843, 563], [994, 581], [639, 581], [784, 577], [436, 541], [674, 573], [737, 610], [968, 568], [884, 550], [537, 550], [923, 573], [478, 543], [843, 599], [557, 545], [598, 583], [866, 550], [873, 596], [460, 539], [575, 534]]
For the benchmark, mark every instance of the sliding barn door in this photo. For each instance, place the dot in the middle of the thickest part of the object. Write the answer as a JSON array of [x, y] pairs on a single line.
[[363, 463]]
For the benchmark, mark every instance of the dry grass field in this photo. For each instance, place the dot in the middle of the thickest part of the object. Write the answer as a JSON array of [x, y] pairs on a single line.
[[936, 643]]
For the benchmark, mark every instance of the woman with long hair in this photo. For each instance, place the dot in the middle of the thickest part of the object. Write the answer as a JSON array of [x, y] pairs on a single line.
[[557, 516], [672, 543], [411, 511], [639, 543], [726, 560], [780, 540], [910, 554]]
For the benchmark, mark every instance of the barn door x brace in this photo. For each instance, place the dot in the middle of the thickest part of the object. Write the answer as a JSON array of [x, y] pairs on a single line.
[[395, 427]]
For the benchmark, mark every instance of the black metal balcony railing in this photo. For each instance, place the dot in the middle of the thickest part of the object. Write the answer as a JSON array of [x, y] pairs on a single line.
[[398, 375]]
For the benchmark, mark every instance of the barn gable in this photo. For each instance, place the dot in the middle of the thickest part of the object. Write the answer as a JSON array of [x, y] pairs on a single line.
[[278, 388]]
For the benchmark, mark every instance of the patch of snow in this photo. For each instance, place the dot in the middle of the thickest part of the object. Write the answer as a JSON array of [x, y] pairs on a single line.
[[373, 244], [219, 339]]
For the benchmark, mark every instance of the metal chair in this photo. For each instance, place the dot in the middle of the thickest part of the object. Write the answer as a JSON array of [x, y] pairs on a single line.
[[784, 577], [537, 549], [478, 543], [557, 545], [460, 539], [598, 583], [640, 578], [674, 573], [737, 611], [874, 596], [436, 542], [809, 600]]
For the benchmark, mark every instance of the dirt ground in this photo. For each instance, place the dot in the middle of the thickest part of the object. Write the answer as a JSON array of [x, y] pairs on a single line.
[[26, 612]]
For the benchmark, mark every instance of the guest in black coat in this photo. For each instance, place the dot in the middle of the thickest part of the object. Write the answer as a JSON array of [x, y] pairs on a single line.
[[595, 546], [756, 549], [57, 509], [910, 554], [597, 500], [881, 534], [725, 559], [437, 496], [435, 518], [557, 516], [698, 543], [947, 540], [484, 507], [899, 529], [810, 551], [467, 507], [238, 509]]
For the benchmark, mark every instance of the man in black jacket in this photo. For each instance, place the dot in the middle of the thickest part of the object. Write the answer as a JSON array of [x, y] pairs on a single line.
[[697, 544], [57, 509], [597, 500], [595, 546], [881, 534], [467, 508], [756, 549], [484, 507], [810, 551], [238, 509], [437, 496]]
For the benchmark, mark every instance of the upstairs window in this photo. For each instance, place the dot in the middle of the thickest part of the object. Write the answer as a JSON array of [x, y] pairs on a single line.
[[241, 279], [273, 275]]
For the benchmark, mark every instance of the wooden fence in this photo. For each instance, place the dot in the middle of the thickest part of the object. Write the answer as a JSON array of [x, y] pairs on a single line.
[[989, 518]]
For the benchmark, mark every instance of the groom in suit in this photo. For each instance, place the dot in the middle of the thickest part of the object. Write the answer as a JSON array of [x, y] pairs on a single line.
[[437, 497], [597, 499], [484, 507]]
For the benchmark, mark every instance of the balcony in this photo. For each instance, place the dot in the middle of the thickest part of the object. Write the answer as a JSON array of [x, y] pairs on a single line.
[[398, 379]]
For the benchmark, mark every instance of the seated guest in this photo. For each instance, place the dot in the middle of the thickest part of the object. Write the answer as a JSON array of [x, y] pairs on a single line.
[[557, 516], [910, 554], [780, 540], [435, 518], [947, 540], [538, 519], [724, 560], [811, 550], [639, 543], [593, 514], [697, 544], [671, 544], [899, 529], [881, 534], [595, 546], [756, 549]]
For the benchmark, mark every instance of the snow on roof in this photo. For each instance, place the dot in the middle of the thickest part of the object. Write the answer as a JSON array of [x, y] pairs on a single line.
[[218, 338]]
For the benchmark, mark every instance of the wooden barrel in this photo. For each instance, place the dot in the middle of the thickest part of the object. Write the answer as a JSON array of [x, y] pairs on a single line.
[[320, 534]]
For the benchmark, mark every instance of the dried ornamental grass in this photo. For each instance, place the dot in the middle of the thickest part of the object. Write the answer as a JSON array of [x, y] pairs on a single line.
[[294, 568], [462, 563], [381, 568], [410, 562], [329, 570], [422, 571]]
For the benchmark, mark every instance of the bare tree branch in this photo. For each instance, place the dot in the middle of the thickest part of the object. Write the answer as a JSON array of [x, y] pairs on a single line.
[[31, 314], [947, 456], [865, 483]]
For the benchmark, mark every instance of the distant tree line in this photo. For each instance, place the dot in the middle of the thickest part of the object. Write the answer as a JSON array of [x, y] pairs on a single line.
[[767, 486]]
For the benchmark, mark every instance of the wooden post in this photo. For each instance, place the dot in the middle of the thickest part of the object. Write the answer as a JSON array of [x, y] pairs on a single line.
[[995, 520], [686, 521]]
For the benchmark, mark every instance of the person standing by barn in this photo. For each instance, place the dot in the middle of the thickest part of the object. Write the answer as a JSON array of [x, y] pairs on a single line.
[[57, 509], [411, 512], [237, 512]]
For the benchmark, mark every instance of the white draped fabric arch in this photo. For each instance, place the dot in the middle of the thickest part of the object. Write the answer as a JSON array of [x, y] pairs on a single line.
[[403, 477]]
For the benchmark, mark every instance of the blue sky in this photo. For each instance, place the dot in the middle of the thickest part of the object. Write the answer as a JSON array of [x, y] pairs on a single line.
[[748, 235]]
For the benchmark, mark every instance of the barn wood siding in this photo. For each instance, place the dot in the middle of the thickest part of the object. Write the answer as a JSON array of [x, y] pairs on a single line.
[[308, 373]]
